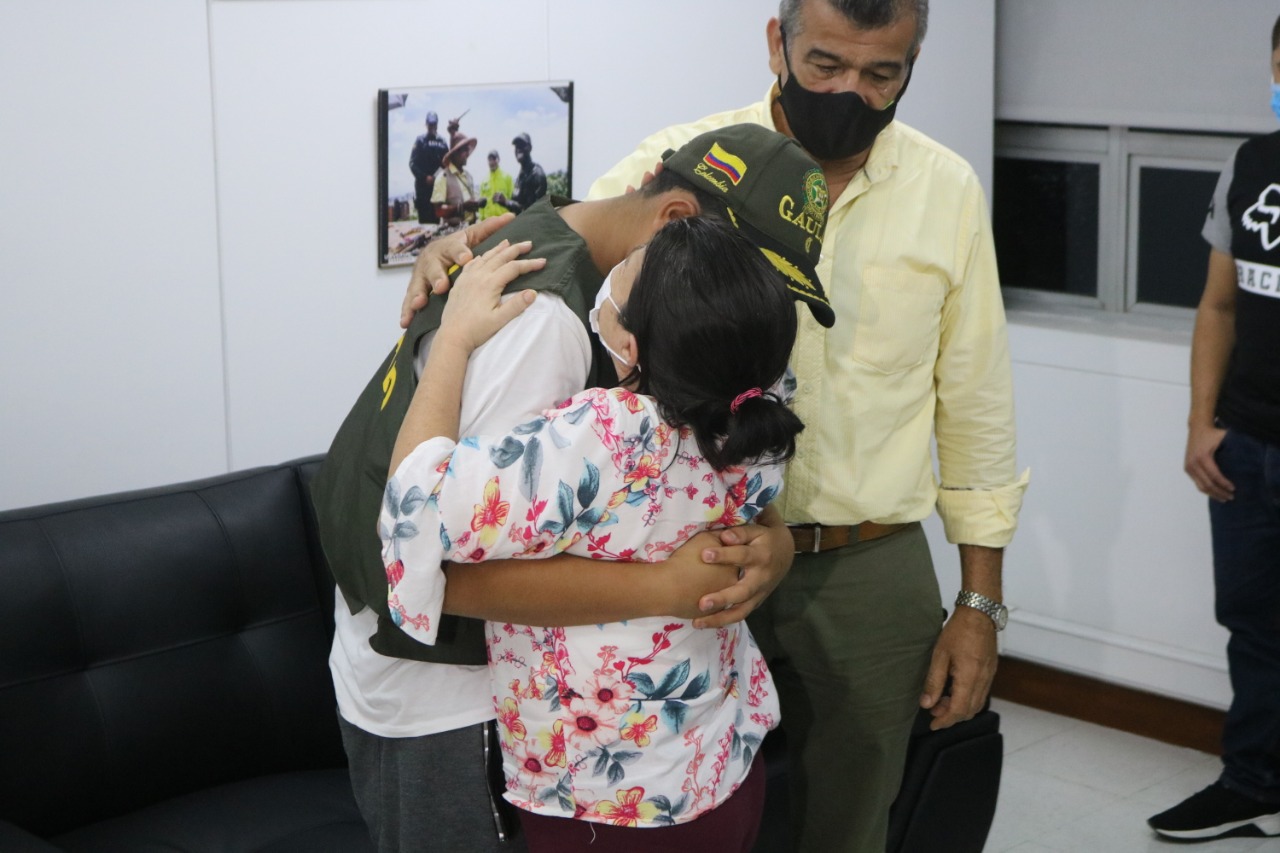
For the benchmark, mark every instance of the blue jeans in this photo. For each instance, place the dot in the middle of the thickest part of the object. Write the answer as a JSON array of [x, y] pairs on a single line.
[[1246, 571]]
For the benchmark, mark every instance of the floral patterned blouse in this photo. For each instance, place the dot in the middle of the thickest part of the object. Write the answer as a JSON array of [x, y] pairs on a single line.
[[649, 722]]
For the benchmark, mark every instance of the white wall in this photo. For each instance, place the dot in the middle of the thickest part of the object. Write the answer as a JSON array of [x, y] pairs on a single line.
[[1183, 64], [110, 329]]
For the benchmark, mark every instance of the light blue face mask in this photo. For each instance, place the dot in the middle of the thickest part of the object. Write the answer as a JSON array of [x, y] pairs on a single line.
[[593, 316], [1275, 99]]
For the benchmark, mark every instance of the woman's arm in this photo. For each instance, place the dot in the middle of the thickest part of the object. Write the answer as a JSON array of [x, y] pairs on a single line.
[[718, 577], [571, 590]]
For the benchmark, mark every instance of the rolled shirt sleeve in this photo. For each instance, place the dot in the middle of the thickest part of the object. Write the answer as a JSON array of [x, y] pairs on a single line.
[[979, 496]]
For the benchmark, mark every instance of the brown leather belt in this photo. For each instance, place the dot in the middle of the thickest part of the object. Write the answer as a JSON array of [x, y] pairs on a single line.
[[816, 538]]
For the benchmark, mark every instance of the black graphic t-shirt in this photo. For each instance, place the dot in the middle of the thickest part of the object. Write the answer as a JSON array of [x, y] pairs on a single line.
[[1250, 397]]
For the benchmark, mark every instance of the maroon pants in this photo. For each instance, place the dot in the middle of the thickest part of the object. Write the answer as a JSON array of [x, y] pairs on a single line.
[[731, 827]]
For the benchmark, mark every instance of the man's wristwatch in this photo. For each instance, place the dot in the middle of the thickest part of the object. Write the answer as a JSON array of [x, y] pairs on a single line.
[[998, 612]]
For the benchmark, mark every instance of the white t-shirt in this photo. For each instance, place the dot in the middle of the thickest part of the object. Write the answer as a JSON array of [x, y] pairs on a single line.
[[540, 358]]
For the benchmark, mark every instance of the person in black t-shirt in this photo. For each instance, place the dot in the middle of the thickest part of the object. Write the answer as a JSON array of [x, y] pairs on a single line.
[[1233, 456], [531, 181]]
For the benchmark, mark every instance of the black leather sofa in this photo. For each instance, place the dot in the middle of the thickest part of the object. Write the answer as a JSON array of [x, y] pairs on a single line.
[[163, 673]]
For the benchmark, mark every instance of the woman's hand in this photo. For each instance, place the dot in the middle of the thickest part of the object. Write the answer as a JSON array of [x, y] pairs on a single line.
[[476, 310], [431, 269]]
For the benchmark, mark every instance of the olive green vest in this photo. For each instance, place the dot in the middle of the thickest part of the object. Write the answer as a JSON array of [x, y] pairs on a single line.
[[349, 487]]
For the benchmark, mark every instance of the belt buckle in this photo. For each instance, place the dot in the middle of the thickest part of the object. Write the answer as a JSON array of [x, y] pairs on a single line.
[[817, 539]]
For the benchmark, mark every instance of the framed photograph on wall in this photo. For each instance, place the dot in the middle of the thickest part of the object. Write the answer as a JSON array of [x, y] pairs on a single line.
[[449, 156]]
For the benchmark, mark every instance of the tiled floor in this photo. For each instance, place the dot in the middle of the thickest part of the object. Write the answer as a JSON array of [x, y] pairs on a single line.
[[1074, 787]]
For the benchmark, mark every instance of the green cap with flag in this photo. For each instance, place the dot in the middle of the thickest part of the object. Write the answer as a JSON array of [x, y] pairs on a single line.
[[775, 194]]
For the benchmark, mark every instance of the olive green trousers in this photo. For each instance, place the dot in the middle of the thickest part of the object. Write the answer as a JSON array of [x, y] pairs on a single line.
[[848, 636]]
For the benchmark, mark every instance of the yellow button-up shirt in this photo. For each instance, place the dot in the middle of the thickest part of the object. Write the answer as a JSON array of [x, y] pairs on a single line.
[[918, 350]]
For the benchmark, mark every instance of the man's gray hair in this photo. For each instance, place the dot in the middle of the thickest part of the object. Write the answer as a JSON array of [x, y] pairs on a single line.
[[863, 14]]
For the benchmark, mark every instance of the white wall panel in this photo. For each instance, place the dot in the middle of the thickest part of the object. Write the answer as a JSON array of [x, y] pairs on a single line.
[[1110, 573], [671, 62], [951, 97], [110, 331], [1182, 64]]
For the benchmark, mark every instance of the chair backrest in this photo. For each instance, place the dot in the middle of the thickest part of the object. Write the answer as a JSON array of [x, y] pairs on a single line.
[[158, 642]]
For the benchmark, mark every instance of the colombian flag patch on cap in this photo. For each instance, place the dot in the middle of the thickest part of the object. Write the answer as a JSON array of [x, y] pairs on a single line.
[[722, 161]]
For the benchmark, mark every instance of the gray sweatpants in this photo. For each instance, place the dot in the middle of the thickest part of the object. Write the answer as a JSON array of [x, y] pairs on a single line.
[[429, 793]]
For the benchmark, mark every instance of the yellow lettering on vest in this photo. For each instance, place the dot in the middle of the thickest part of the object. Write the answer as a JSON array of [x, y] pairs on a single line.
[[389, 380]]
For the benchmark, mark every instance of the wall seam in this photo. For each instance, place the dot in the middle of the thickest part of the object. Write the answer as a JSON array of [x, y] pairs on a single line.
[[217, 209]]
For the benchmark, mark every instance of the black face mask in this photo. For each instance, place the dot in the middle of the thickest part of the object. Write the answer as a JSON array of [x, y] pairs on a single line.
[[832, 125]]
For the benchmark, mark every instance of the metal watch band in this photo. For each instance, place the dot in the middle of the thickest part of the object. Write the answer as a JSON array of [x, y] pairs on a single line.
[[998, 613]]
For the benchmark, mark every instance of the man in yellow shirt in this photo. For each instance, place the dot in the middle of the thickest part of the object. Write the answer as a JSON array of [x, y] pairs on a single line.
[[497, 183], [854, 633]]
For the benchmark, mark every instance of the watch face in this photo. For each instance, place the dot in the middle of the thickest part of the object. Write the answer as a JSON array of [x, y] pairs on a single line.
[[1002, 618]]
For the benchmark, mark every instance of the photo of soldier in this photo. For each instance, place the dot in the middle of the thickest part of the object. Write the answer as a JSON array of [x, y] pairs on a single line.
[[531, 181]]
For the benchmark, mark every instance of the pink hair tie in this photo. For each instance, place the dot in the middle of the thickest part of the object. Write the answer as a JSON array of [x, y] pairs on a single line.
[[742, 398]]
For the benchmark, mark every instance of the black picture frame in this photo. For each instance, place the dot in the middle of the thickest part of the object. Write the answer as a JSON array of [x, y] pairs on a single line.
[[493, 115]]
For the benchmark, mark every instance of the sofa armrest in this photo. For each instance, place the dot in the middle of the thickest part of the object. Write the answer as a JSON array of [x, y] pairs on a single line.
[[17, 840]]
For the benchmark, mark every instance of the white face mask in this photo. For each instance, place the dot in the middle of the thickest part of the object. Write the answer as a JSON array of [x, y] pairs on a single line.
[[593, 316]]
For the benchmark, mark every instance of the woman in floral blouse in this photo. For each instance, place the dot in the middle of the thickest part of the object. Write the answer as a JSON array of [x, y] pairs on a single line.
[[634, 734]]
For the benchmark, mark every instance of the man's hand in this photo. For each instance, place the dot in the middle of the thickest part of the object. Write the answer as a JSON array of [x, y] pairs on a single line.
[[431, 269], [965, 652], [1202, 468]]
